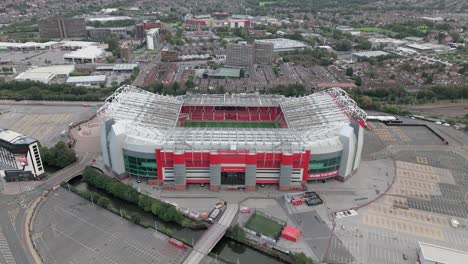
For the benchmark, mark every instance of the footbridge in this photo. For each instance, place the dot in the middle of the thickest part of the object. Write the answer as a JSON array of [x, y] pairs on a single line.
[[212, 235]]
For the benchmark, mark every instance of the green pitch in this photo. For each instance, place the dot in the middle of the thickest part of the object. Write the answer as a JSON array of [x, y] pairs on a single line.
[[264, 225], [231, 124]]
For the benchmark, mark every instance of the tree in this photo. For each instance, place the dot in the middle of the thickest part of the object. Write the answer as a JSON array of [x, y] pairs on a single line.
[[237, 233], [242, 73], [358, 80], [175, 87], [135, 219], [365, 44], [301, 258], [366, 102], [103, 201], [59, 156], [349, 71], [343, 45], [110, 59]]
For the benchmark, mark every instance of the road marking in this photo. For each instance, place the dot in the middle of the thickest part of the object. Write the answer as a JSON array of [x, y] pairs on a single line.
[[5, 250]]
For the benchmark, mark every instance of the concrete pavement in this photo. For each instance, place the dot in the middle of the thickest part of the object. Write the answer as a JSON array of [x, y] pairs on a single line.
[[212, 235]]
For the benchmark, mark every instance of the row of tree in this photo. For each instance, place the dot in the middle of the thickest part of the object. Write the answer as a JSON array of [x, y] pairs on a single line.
[[164, 211], [33, 90]]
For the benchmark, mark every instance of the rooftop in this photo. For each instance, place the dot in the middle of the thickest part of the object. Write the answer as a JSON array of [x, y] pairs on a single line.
[[369, 54], [109, 18], [117, 67], [87, 79], [14, 137], [283, 44], [439, 254], [40, 45], [44, 77], [90, 53]]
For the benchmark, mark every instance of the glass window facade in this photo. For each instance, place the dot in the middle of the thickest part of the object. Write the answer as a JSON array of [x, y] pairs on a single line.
[[318, 166], [140, 166]]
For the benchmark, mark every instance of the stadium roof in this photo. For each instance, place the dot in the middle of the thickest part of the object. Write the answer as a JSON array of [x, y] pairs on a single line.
[[313, 121], [232, 100]]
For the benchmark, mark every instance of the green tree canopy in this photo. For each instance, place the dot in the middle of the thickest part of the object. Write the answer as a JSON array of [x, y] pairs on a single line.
[[343, 45]]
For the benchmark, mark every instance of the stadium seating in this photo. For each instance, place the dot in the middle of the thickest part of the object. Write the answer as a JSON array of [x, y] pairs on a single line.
[[228, 113]]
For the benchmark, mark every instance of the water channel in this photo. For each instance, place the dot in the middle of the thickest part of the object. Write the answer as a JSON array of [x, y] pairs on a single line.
[[227, 249]]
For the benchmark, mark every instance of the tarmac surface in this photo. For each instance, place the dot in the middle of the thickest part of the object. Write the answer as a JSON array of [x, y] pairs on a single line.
[[44, 123], [69, 229]]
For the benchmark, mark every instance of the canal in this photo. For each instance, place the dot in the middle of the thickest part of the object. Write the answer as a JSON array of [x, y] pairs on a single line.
[[226, 249]]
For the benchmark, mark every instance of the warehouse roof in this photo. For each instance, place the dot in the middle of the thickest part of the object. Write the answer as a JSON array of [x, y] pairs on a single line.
[[117, 67], [439, 254], [87, 79], [14, 137], [44, 77], [89, 53], [370, 54], [280, 44]]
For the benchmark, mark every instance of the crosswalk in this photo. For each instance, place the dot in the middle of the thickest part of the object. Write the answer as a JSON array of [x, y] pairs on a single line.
[[5, 251]]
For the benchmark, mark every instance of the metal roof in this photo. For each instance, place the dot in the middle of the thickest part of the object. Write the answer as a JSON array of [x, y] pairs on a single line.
[[14, 137], [439, 254], [86, 79], [313, 120]]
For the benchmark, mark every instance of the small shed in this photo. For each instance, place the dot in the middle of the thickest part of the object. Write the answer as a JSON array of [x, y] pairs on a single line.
[[291, 233]]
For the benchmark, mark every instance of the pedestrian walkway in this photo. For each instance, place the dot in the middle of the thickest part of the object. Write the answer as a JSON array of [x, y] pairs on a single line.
[[5, 251], [212, 235]]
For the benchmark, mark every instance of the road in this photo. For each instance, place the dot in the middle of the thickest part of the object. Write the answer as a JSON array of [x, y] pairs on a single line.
[[13, 207]]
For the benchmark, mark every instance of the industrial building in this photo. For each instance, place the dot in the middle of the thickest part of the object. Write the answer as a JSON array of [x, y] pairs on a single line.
[[29, 45], [20, 158], [45, 74], [283, 45], [62, 27], [93, 80], [153, 40], [149, 136], [87, 54], [434, 254]]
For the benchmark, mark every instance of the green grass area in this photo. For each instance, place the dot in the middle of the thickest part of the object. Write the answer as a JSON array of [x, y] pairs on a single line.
[[232, 124], [262, 4], [264, 225], [376, 30]]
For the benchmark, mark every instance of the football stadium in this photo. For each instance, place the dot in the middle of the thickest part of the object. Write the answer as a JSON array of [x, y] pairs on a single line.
[[231, 139]]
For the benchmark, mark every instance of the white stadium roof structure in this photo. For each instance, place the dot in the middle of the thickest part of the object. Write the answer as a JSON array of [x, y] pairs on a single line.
[[313, 121]]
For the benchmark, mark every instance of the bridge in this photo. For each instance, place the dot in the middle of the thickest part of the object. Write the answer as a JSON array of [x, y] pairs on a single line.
[[212, 235]]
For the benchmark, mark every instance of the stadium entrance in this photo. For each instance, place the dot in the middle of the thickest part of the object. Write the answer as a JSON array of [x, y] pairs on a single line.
[[233, 178]]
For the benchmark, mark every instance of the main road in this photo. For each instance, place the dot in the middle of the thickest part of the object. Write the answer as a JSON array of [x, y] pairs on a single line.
[[13, 247]]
